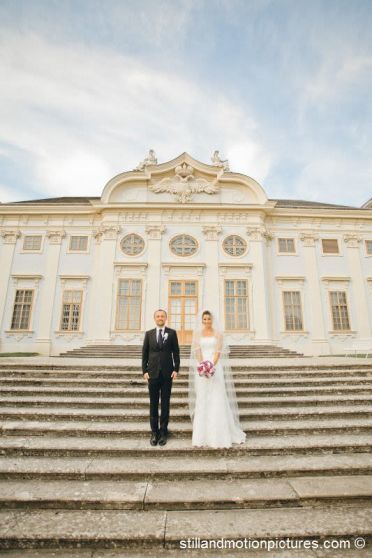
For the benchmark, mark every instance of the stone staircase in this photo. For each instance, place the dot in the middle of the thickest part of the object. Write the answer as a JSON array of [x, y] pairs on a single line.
[[77, 471], [135, 351]]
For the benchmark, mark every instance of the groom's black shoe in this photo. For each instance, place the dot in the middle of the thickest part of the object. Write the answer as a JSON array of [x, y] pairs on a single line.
[[162, 439], [154, 438]]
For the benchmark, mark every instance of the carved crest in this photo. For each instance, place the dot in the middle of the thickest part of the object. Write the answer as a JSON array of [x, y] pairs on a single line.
[[184, 184]]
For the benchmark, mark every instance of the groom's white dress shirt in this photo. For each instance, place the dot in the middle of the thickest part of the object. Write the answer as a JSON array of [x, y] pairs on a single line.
[[158, 330]]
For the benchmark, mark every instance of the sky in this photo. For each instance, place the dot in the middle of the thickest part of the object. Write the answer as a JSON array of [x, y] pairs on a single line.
[[283, 88]]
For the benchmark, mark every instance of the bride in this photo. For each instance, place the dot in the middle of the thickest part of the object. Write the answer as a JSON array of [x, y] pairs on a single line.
[[212, 400]]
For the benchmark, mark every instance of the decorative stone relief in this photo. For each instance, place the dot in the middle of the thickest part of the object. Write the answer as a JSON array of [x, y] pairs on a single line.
[[155, 231], [352, 240], [184, 184], [308, 238], [55, 237], [230, 269], [19, 336], [79, 281], [211, 232], [10, 235], [28, 281], [259, 232], [106, 232]]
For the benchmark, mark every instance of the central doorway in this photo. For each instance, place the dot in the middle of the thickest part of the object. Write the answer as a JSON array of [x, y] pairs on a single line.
[[183, 307]]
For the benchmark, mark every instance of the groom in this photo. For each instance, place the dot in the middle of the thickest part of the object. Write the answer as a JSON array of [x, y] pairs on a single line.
[[160, 365]]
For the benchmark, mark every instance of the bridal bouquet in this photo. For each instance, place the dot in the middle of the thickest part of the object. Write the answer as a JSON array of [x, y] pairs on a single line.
[[206, 368]]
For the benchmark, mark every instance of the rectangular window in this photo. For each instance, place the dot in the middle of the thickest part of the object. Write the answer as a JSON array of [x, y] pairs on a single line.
[[236, 304], [129, 304], [292, 310], [330, 246], [32, 242], [71, 310], [369, 247], [339, 309], [286, 245], [22, 309], [79, 243]]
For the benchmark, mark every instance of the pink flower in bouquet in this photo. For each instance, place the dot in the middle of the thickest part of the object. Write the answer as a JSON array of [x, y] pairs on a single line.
[[206, 368], [201, 369]]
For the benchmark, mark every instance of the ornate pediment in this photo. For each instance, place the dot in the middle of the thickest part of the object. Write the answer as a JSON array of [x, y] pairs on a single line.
[[184, 184], [183, 180]]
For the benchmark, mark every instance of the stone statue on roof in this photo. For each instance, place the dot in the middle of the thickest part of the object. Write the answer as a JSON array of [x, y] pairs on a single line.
[[149, 160], [218, 162]]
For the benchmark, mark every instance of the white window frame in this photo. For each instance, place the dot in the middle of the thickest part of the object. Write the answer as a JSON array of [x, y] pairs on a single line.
[[30, 316], [368, 254], [183, 256], [235, 256], [133, 255], [127, 329], [292, 290], [72, 251], [344, 291], [280, 252], [32, 251], [332, 254], [246, 296], [81, 291]]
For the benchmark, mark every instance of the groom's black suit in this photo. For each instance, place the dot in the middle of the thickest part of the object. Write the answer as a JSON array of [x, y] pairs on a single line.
[[159, 360]]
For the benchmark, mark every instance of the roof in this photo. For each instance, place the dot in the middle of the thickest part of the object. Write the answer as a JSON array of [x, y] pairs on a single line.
[[63, 200], [85, 200], [315, 204]]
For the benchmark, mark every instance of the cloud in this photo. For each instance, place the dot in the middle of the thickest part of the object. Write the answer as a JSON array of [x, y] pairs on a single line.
[[324, 178], [250, 158], [83, 115]]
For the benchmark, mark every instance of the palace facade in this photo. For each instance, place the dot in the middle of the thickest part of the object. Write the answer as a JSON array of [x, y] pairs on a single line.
[[184, 235]]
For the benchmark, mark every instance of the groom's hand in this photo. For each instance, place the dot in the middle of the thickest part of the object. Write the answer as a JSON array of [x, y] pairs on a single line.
[[174, 375], [146, 376]]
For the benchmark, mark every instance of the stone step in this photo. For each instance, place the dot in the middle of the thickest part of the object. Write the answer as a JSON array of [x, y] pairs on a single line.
[[73, 401], [161, 466], [142, 391], [136, 529], [238, 374], [123, 367], [185, 495], [182, 429], [130, 414], [59, 445], [317, 552], [183, 382], [102, 354]]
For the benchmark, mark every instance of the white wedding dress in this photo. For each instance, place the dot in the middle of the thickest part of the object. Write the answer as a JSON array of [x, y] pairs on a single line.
[[213, 423]]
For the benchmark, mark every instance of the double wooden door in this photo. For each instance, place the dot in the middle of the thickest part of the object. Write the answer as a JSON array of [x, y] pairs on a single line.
[[183, 307]]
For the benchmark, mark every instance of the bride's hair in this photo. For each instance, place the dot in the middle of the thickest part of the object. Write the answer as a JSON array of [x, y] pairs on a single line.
[[207, 312]]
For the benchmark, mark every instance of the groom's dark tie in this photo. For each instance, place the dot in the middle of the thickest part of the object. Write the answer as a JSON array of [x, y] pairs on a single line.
[[160, 339]]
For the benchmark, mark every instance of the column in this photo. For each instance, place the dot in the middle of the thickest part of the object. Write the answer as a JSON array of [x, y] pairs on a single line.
[[103, 292], [358, 285], [155, 292], [212, 297], [48, 289], [258, 237], [9, 237], [317, 326]]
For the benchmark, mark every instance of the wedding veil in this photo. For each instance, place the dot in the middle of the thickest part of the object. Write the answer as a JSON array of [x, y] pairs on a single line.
[[195, 357]]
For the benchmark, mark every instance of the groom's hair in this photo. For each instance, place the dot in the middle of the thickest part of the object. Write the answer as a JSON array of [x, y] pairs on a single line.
[[160, 310]]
